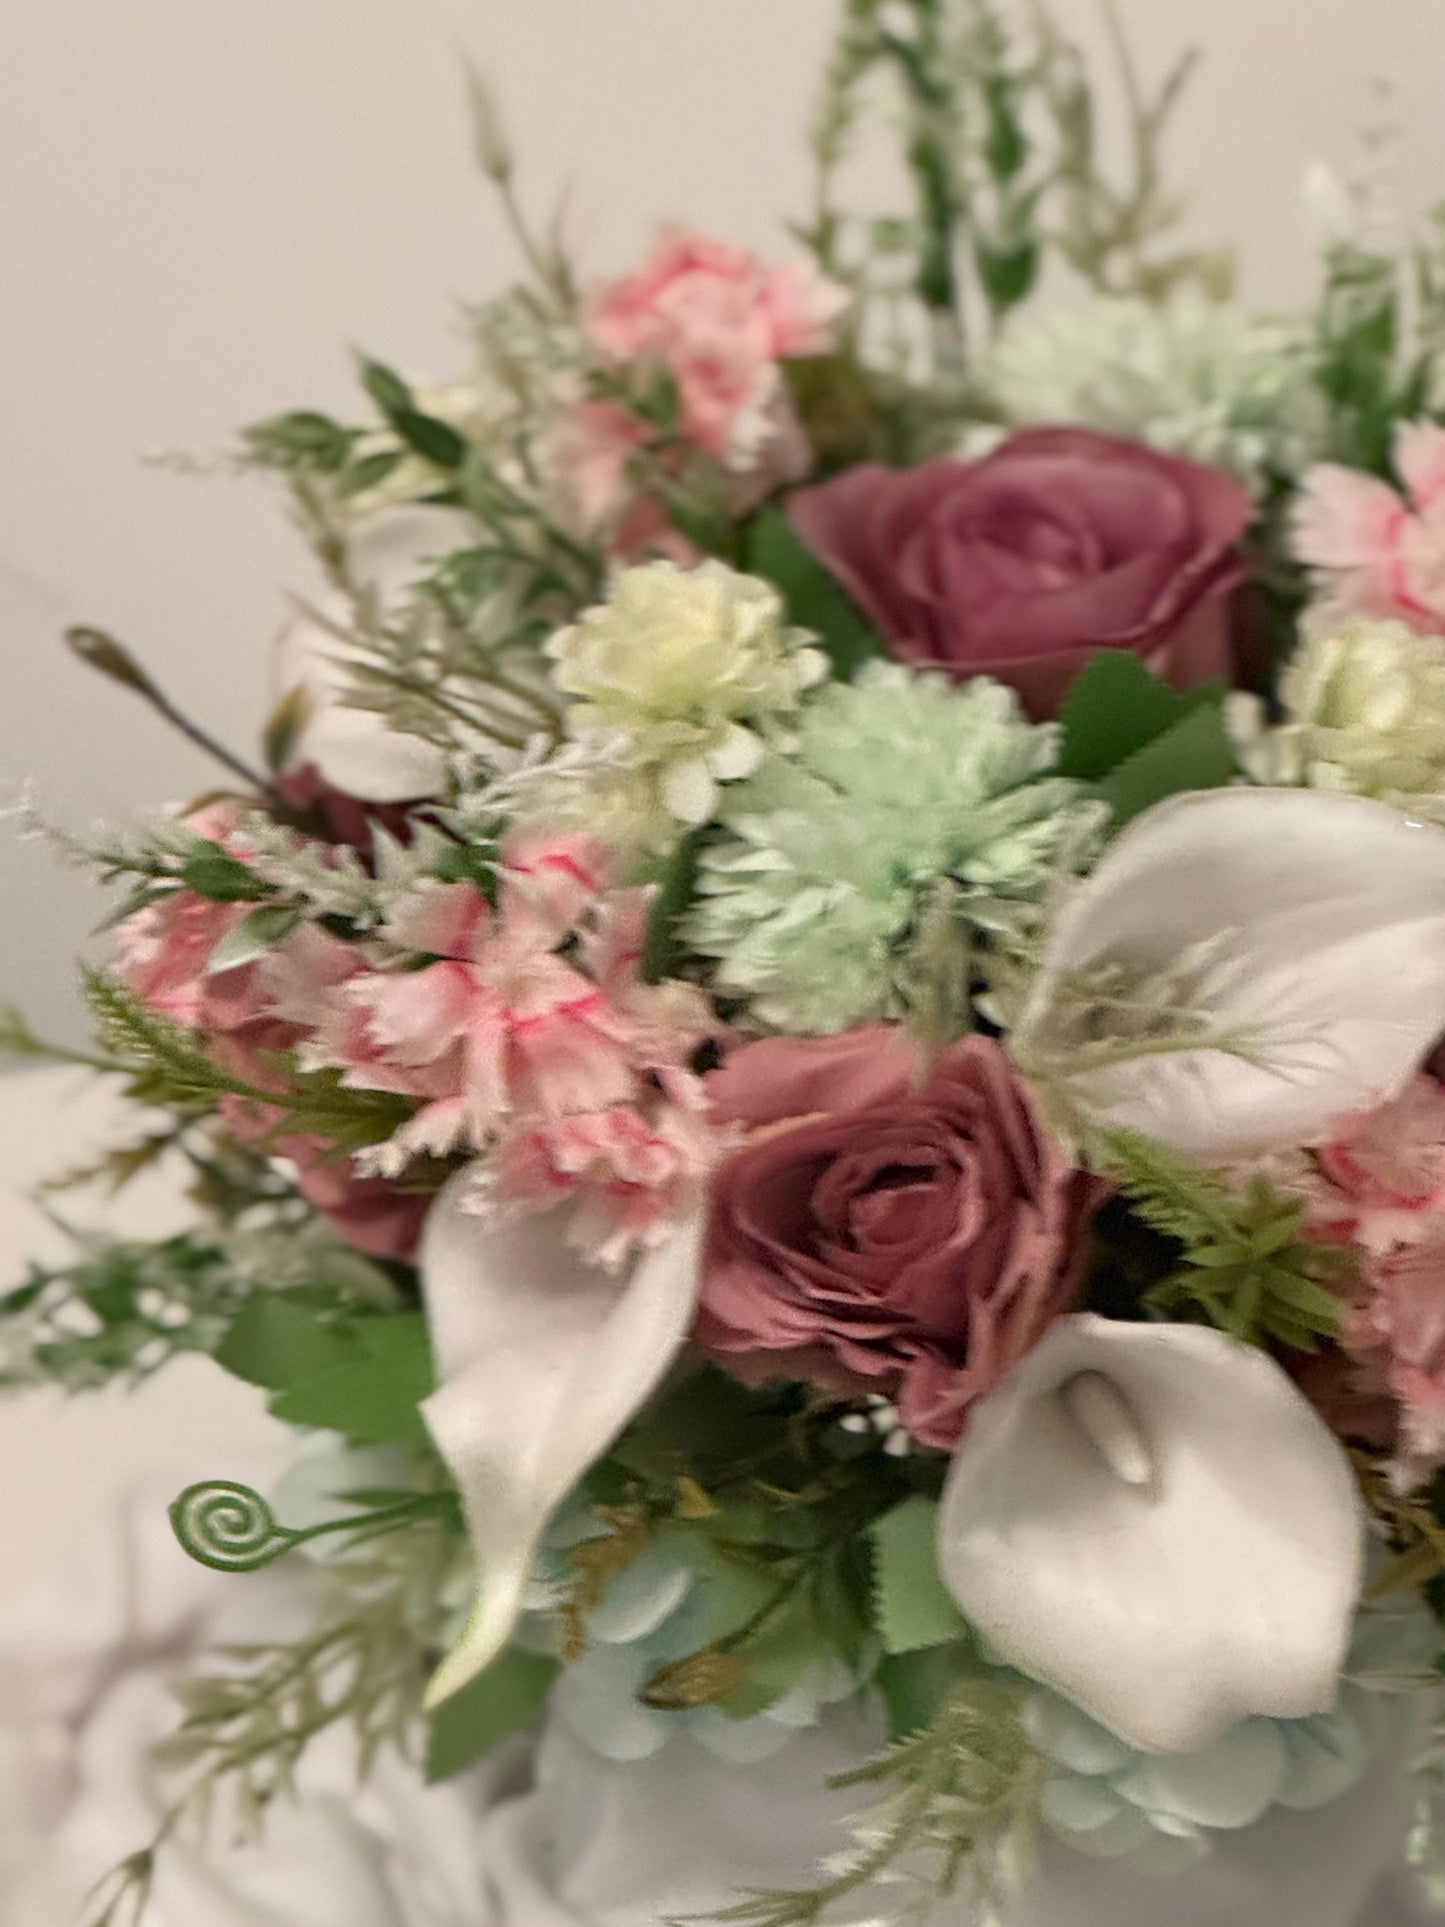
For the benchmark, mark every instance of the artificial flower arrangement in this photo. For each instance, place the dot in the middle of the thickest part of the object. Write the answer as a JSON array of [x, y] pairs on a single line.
[[808, 1069]]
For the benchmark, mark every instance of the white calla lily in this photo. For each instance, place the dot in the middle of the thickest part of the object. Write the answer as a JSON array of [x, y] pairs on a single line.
[[541, 1361], [1298, 936], [353, 749], [1169, 1608]]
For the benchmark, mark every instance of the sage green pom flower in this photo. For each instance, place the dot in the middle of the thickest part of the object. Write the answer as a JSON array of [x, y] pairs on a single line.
[[1192, 377], [1164, 1811], [892, 788], [670, 676]]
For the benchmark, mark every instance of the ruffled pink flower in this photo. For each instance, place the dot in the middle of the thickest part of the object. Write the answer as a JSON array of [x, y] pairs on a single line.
[[1384, 1174], [592, 450], [720, 320], [1379, 552], [631, 1175], [1401, 1330], [508, 1025]]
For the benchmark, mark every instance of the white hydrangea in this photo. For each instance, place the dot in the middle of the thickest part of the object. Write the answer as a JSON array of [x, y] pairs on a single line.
[[1192, 377], [893, 785], [670, 678], [1365, 713]]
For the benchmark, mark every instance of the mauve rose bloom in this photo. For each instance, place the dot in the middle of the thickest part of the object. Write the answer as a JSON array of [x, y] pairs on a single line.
[[1024, 565], [874, 1234]]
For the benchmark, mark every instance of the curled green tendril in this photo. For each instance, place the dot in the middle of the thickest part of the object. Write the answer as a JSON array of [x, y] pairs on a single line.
[[230, 1528]]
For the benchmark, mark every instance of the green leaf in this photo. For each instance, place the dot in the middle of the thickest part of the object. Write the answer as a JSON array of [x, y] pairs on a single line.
[[1196, 754], [676, 879], [214, 873], [302, 439], [386, 388], [284, 727], [254, 935], [777, 1656], [369, 472], [279, 1341], [1007, 273], [438, 441], [373, 1399], [1113, 710], [815, 600], [915, 1685], [509, 1697], [1007, 146], [915, 1609]]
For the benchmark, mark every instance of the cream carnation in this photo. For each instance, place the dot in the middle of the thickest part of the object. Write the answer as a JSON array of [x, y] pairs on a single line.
[[1365, 709], [671, 674]]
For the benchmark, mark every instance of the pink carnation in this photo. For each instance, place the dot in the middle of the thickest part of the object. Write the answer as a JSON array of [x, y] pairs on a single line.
[[631, 1175], [529, 1039], [1400, 1330], [1379, 552], [720, 320], [878, 1233], [1379, 1185]]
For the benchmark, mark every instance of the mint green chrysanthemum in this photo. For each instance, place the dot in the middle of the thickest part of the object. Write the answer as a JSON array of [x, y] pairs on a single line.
[[1193, 377], [891, 787]]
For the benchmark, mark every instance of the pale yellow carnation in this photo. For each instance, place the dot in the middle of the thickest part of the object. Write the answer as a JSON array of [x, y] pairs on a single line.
[[671, 676], [1365, 713]]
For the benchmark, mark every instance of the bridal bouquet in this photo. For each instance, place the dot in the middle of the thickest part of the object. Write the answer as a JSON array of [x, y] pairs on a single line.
[[807, 1063]]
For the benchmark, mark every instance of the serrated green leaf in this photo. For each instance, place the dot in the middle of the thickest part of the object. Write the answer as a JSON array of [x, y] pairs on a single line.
[[509, 1697], [815, 600], [915, 1685], [1196, 754], [915, 1609], [373, 1398]]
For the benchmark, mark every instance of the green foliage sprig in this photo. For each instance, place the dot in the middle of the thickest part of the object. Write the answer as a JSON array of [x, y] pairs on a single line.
[[123, 1309], [247, 1724], [956, 1803], [1244, 1264], [166, 1066]]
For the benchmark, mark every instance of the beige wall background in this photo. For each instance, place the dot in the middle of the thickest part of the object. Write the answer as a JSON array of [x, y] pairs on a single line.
[[204, 202]]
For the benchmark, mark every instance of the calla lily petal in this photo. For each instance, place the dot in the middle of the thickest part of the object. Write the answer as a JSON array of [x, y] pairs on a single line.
[[1317, 925], [354, 749], [1223, 1587], [542, 1359]]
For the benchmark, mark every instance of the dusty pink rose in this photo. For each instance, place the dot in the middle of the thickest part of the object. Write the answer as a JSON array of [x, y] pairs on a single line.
[[720, 320], [875, 1235], [1024, 565], [1376, 551]]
